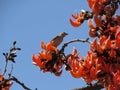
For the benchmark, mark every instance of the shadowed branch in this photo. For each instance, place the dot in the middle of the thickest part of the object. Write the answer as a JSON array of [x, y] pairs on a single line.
[[96, 86], [72, 41]]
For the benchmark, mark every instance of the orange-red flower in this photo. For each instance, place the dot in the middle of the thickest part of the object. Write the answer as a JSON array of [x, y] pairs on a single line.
[[117, 77], [6, 85], [48, 47], [75, 64], [118, 40], [78, 20], [48, 59], [97, 5], [89, 69]]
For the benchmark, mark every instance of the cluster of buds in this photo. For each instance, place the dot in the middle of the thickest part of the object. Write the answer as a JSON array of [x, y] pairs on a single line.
[[6, 83], [12, 54]]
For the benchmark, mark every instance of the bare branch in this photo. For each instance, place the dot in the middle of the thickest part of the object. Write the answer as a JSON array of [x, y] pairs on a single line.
[[72, 41], [9, 74], [79, 40], [20, 83], [5, 68], [16, 80]]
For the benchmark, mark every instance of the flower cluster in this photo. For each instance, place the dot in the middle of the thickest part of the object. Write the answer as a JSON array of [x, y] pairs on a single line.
[[81, 67], [80, 18], [102, 62], [74, 61], [5, 85], [48, 60]]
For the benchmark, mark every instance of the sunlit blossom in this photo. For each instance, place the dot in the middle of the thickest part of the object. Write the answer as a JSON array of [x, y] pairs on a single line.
[[48, 60]]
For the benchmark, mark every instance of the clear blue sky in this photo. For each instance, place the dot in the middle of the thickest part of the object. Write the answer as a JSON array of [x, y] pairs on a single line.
[[31, 21]]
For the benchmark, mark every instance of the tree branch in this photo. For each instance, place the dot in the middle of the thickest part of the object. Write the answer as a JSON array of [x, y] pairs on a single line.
[[20, 83], [16, 80], [96, 86], [9, 74], [72, 41], [5, 67]]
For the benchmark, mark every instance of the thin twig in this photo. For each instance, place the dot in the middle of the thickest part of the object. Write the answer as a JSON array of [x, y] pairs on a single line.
[[5, 68], [10, 71], [72, 41], [79, 40]]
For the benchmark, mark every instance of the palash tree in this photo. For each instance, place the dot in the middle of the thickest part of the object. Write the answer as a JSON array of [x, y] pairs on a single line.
[[101, 66]]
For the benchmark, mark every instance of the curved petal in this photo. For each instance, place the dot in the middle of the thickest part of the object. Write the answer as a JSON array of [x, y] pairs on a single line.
[[43, 46], [91, 3], [77, 73], [93, 73], [36, 60], [75, 16], [1, 77], [50, 47], [75, 24]]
